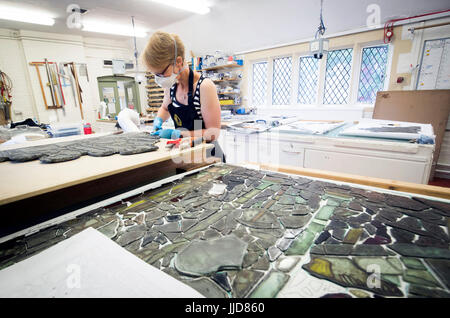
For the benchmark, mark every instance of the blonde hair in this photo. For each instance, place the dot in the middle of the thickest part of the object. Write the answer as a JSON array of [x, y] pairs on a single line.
[[160, 50]]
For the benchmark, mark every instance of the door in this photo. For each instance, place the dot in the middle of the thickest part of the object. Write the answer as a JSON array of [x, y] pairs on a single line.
[[110, 95]]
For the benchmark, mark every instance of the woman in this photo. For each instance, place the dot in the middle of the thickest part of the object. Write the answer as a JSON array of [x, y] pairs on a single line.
[[189, 98]]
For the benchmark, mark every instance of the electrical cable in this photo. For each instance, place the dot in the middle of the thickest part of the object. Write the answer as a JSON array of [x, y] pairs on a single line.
[[321, 30]]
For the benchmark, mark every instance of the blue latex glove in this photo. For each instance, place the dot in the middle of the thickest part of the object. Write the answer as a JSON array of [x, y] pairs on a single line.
[[425, 140], [157, 123], [167, 133]]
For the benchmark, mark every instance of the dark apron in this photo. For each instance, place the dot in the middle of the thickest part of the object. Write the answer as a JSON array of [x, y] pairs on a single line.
[[185, 116]]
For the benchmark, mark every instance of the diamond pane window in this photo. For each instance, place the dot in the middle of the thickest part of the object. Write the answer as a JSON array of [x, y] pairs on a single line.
[[308, 80], [259, 83], [337, 76], [282, 71], [373, 73]]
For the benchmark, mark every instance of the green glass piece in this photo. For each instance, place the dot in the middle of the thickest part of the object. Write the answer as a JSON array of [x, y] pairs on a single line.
[[252, 193], [325, 212], [264, 185], [300, 200], [420, 277], [333, 202], [287, 200], [390, 265], [394, 279], [413, 263], [301, 244], [271, 285], [242, 200], [315, 227]]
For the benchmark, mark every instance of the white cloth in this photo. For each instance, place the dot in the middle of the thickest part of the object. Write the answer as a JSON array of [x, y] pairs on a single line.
[[128, 120]]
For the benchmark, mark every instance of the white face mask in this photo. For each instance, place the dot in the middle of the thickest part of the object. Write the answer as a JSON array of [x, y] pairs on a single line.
[[169, 81]]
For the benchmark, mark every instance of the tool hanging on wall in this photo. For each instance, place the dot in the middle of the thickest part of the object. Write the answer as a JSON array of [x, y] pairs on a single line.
[[52, 81], [77, 86]]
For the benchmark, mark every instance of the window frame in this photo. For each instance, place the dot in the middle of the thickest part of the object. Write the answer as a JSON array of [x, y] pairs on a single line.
[[361, 47], [250, 87], [352, 70], [270, 93], [297, 79], [355, 73]]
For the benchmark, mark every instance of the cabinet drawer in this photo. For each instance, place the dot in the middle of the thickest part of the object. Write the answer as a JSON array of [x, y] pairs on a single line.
[[394, 169]]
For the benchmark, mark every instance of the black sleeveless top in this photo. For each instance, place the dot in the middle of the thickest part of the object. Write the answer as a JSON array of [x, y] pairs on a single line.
[[188, 116]]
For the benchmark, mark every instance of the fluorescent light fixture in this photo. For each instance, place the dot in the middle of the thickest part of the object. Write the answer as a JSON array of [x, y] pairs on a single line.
[[196, 6], [115, 29], [27, 16]]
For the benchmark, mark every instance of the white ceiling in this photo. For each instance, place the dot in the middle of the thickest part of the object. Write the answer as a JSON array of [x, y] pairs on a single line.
[[232, 25], [148, 14]]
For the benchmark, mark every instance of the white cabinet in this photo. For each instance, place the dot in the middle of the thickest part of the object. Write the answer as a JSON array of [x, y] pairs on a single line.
[[382, 159], [364, 165]]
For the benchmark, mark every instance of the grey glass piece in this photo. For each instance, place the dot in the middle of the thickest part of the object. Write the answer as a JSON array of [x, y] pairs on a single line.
[[295, 222], [250, 258], [259, 219], [262, 264], [206, 287], [273, 252], [244, 282], [370, 250], [171, 227], [129, 237], [210, 234], [284, 244], [403, 202], [205, 257], [110, 229]]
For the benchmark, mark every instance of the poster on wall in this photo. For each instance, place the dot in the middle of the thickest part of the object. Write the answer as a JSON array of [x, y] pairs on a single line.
[[435, 66]]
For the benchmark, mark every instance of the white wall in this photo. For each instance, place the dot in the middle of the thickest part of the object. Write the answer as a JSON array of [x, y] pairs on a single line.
[[19, 48]]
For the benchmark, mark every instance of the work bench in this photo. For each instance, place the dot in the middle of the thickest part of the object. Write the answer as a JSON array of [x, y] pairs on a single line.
[[32, 191]]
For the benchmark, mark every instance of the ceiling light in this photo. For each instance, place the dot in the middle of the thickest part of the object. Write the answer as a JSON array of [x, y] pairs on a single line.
[[115, 29], [27, 16], [196, 6]]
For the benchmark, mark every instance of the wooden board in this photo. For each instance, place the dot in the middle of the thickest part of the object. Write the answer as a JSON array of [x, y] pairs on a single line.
[[34, 178], [427, 107], [395, 185]]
